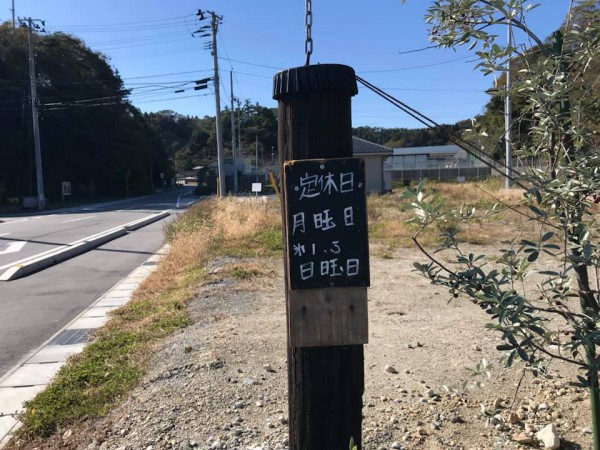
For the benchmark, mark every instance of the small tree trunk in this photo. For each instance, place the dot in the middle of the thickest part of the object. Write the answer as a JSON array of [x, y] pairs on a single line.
[[589, 306], [594, 392]]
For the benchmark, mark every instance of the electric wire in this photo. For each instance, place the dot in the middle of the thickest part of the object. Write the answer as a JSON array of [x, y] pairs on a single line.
[[252, 64], [416, 50], [146, 44], [417, 67], [127, 40], [167, 74], [164, 19], [228, 59]]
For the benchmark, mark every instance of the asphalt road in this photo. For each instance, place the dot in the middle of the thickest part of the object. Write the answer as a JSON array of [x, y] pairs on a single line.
[[22, 237], [35, 307]]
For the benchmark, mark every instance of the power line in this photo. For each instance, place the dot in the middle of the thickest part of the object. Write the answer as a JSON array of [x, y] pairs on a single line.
[[254, 75], [432, 90], [146, 44], [416, 67], [127, 40], [132, 23], [418, 50], [362, 71], [252, 64], [230, 65], [167, 74], [106, 29], [174, 98]]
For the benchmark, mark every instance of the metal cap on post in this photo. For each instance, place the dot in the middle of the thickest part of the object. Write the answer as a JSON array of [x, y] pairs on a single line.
[[305, 79], [317, 100]]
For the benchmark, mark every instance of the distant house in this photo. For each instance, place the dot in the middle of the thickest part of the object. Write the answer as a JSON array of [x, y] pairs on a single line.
[[377, 180], [436, 162]]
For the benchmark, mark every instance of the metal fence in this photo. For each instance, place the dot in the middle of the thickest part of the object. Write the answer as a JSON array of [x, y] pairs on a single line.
[[452, 173], [460, 169]]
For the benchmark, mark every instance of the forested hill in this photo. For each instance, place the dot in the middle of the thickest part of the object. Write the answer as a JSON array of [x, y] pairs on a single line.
[[91, 135]]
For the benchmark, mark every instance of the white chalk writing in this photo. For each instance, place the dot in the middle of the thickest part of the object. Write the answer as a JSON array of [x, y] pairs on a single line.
[[298, 223], [349, 216], [311, 186], [299, 250], [323, 221], [307, 270]]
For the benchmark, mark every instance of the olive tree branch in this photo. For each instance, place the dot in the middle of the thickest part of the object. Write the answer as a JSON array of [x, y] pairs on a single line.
[[554, 355], [415, 239]]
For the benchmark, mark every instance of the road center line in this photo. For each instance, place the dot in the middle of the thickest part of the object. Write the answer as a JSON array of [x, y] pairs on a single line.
[[80, 218]]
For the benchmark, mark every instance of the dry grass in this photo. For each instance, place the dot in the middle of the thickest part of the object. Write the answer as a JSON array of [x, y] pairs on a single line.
[[93, 381], [388, 215]]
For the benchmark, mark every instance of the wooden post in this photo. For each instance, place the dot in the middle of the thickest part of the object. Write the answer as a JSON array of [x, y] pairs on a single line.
[[326, 383]]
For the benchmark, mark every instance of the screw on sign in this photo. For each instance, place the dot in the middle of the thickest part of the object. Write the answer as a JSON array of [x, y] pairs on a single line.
[[327, 224]]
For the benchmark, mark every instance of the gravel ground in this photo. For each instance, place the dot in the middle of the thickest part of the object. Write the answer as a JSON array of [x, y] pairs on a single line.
[[221, 382]]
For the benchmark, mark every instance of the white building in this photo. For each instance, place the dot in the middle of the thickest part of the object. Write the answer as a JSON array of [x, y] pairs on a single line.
[[377, 179]]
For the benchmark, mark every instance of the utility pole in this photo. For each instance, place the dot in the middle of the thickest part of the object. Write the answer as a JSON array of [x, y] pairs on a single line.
[[235, 174], [34, 113], [12, 10], [214, 26], [256, 145], [508, 115], [239, 120]]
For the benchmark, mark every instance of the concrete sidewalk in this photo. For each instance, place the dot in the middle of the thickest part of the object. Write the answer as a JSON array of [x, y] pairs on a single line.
[[34, 373]]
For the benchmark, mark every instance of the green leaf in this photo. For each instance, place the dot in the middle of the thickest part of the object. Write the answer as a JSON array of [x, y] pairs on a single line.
[[352, 445], [533, 256], [522, 354], [552, 246], [504, 347], [537, 211], [511, 358], [547, 236], [538, 330], [528, 243]]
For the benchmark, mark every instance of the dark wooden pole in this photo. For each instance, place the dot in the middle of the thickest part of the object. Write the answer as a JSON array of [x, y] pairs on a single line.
[[326, 384]]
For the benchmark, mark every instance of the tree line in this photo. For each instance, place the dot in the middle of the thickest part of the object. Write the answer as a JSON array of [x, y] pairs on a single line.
[[91, 134], [93, 137]]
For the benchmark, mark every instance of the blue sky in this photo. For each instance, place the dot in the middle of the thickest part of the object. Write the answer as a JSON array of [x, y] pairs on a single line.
[[150, 44]]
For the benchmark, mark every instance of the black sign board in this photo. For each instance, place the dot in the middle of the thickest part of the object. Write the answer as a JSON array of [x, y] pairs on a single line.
[[326, 217]]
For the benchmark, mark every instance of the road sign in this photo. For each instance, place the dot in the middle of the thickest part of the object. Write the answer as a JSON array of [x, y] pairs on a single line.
[[66, 188], [256, 187]]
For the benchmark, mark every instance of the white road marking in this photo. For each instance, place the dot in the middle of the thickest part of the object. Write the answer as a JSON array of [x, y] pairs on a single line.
[[13, 247], [80, 218], [4, 234]]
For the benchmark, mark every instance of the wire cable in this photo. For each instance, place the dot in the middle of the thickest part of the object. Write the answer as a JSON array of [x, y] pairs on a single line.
[[468, 147]]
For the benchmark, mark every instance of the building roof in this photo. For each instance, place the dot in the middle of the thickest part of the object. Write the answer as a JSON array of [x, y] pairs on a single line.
[[448, 150], [364, 147]]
